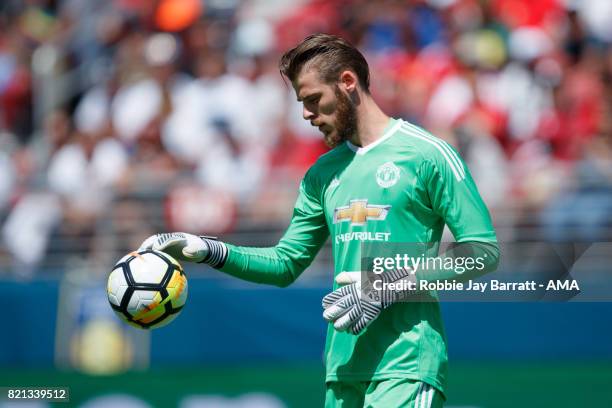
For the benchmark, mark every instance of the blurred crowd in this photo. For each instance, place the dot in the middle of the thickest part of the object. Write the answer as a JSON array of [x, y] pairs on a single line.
[[121, 118]]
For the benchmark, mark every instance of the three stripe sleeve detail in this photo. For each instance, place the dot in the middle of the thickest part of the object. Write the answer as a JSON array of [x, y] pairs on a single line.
[[451, 157]]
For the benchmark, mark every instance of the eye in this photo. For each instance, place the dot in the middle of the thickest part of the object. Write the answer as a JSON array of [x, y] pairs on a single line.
[[312, 99]]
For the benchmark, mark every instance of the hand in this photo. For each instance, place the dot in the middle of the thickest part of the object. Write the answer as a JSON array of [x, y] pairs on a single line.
[[179, 245], [346, 308], [351, 308]]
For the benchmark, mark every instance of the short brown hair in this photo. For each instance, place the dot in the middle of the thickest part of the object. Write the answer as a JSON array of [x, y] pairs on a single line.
[[330, 54]]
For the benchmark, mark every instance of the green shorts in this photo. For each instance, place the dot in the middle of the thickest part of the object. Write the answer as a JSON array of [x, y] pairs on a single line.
[[390, 393]]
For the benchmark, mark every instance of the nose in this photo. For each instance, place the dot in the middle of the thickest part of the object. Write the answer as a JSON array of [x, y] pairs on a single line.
[[306, 114]]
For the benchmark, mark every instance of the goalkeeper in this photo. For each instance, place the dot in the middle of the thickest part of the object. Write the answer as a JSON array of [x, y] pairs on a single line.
[[384, 181]]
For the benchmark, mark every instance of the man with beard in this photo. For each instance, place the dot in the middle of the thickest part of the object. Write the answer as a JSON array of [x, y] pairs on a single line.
[[385, 181]]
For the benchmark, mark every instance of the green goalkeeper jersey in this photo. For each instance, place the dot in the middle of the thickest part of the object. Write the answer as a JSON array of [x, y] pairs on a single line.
[[402, 188]]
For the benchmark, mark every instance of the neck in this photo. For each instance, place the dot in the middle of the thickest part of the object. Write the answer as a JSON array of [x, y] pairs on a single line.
[[371, 123]]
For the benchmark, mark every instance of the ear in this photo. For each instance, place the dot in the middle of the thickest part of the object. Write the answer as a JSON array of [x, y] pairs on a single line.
[[348, 81]]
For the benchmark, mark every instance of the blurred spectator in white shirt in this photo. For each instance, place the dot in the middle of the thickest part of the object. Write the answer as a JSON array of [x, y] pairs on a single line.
[[137, 105]]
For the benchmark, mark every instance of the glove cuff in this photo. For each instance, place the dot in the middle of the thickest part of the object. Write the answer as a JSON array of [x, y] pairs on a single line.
[[407, 280], [217, 252]]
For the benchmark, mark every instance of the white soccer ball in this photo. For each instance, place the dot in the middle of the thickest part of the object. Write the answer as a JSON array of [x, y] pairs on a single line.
[[147, 289]]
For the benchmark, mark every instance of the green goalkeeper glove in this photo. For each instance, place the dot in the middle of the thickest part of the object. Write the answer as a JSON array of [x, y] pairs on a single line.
[[353, 307], [188, 247]]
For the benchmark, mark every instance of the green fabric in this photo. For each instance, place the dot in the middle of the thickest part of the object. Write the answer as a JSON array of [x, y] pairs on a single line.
[[395, 392], [403, 188], [488, 252]]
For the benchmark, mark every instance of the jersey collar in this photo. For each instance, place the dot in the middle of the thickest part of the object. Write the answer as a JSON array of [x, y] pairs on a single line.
[[393, 125]]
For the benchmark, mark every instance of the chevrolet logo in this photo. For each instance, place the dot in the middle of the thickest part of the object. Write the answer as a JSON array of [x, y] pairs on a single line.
[[358, 212]]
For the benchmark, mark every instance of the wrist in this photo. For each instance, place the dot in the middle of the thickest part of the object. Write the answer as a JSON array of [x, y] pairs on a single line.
[[217, 252], [404, 283]]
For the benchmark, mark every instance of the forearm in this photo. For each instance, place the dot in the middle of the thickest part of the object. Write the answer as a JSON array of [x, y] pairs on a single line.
[[282, 264], [270, 266]]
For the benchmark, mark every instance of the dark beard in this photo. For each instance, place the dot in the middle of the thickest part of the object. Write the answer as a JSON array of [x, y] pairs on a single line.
[[346, 120]]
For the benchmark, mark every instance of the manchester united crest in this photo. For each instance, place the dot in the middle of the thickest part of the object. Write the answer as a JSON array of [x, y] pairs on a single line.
[[387, 175]]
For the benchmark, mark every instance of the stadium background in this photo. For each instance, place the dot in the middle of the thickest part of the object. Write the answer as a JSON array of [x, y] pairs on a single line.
[[122, 118]]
